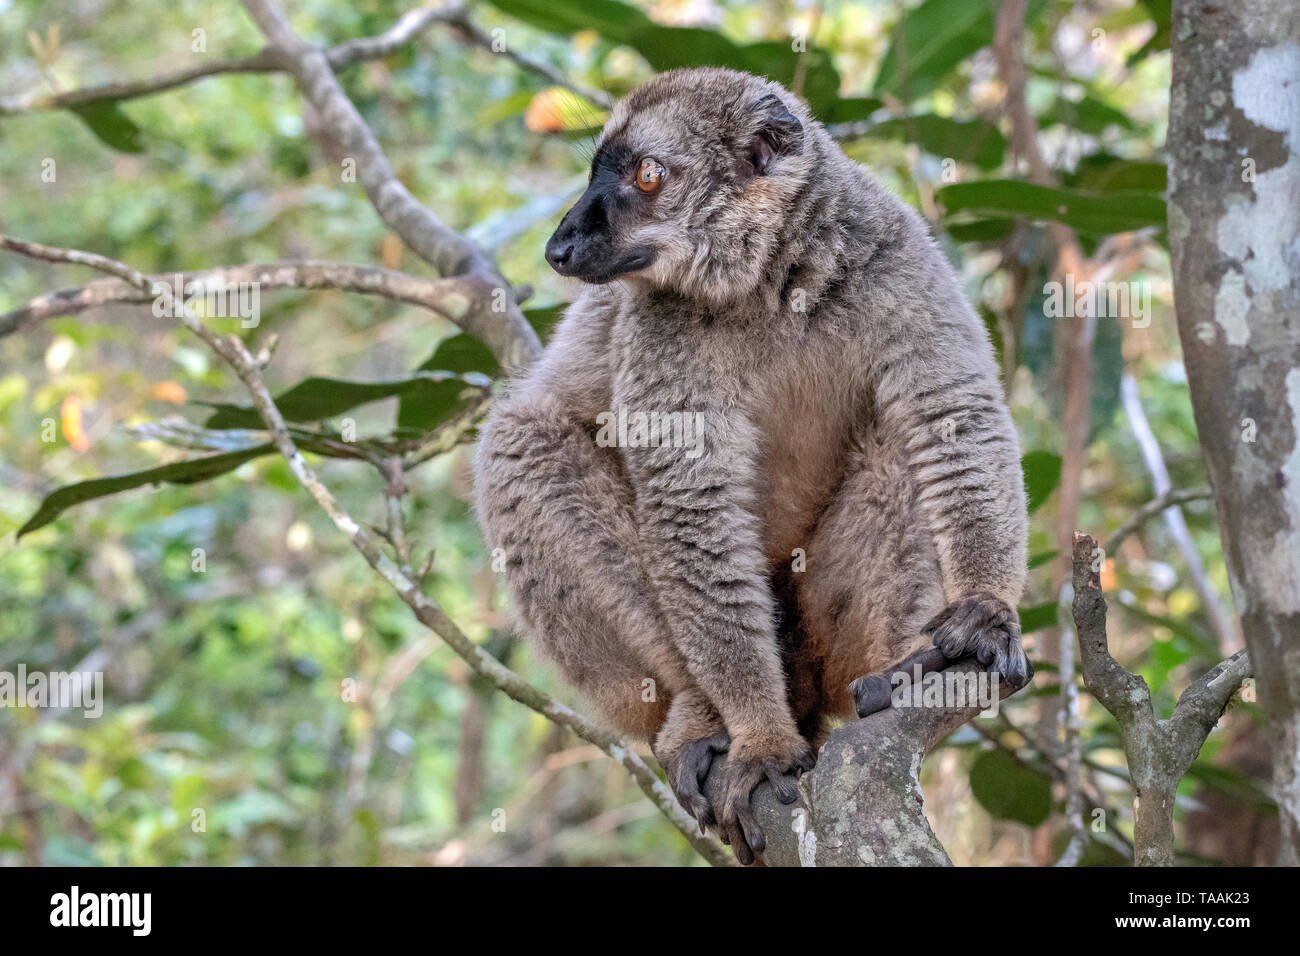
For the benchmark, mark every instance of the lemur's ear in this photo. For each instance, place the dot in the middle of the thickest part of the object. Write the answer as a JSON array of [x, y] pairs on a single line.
[[779, 133]]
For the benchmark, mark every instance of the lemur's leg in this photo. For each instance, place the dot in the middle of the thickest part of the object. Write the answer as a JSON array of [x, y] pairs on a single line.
[[696, 511], [872, 580], [560, 510]]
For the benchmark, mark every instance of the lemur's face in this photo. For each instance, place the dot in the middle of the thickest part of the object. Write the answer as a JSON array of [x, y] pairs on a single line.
[[592, 241], [688, 184]]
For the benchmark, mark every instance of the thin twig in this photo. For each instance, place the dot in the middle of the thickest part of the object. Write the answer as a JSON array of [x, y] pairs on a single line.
[[475, 35], [1172, 497], [267, 60]]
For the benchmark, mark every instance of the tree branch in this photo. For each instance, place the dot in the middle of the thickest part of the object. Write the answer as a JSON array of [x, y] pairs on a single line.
[[270, 60], [862, 804], [449, 298], [491, 313], [1159, 752], [493, 316]]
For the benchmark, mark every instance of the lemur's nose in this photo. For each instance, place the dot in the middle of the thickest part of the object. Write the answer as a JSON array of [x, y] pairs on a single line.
[[559, 254]]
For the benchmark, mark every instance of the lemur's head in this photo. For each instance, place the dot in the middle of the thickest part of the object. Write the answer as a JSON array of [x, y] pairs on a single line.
[[691, 185]]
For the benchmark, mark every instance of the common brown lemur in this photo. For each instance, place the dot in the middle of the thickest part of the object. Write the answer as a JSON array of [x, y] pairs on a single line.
[[854, 491]]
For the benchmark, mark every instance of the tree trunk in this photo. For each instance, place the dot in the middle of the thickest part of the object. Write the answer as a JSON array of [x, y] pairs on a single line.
[[1234, 230]]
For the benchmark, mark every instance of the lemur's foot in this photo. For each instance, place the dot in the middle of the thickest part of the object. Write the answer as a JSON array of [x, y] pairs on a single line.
[[986, 627], [749, 763], [687, 766]]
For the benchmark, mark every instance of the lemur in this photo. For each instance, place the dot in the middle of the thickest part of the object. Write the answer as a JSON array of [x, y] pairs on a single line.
[[854, 491]]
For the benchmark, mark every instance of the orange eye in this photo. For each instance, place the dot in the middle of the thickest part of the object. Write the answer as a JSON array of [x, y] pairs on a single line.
[[650, 175]]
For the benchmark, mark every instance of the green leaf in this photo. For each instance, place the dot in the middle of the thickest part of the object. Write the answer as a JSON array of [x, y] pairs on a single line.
[[981, 230], [1009, 790], [318, 398], [968, 141], [1042, 474], [667, 47], [426, 407], [777, 60], [1088, 115], [188, 472], [612, 20], [853, 109], [1161, 13], [1103, 172], [929, 41], [1036, 617], [429, 403], [113, 127], [1096, 213], [460, 354]]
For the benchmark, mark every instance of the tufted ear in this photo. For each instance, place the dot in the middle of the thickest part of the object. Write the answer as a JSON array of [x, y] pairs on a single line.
[[779, 133]]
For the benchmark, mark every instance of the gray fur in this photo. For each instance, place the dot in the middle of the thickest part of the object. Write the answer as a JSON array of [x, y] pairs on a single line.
[[852, 409]]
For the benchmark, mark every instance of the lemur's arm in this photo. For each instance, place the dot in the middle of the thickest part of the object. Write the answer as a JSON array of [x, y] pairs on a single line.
[[939, 405]]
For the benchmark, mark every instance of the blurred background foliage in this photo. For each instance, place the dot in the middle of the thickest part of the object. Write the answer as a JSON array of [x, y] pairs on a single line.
[[230, 676]]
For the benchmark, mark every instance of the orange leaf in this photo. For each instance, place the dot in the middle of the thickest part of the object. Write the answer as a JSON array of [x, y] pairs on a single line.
[[70, 414], [1108, 582], [170, 392], [543, 114]]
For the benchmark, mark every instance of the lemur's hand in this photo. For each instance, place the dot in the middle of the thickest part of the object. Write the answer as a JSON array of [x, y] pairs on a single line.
[[687, 764], [986, 627], [753, 758]]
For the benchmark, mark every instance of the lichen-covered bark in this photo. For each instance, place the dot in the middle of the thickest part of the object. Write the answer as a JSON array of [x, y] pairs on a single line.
[[1234, 228], [862, 804]]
